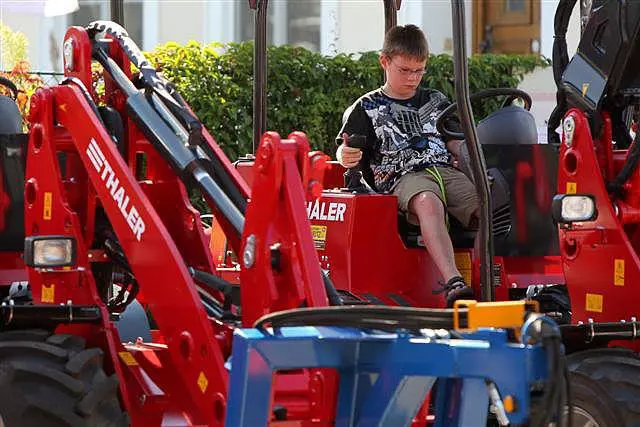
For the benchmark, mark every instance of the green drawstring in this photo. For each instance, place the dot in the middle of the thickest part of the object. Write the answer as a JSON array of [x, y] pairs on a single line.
[[436, 175]]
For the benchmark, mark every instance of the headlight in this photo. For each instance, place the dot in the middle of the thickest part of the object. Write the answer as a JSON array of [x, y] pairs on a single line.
[[49, 251], [574, 208]]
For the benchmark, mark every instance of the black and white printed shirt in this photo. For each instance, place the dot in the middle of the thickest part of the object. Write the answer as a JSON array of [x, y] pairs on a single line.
[[401, 135]]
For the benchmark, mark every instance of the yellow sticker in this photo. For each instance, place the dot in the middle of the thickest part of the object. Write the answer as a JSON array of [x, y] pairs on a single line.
[[585, 88], [618, 272], [572, 187], [594, 302], [319, 233], [48, 199], [127, 358], [463, 262], [48, 293], [202, 382]]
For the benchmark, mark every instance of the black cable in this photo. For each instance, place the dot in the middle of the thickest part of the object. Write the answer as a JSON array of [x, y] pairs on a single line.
[[211, 280], [332, 293], [630, 165], [379, 317], [539, 328], [560, 60]]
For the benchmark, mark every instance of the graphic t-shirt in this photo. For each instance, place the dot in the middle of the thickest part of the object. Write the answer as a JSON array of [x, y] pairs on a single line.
[[401, 135]]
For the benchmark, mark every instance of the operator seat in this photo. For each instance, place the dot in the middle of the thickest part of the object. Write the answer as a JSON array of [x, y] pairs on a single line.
[[510, 125], [13, 145]]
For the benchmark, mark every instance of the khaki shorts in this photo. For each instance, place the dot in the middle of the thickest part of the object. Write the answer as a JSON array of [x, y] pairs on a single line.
[[461, 198]]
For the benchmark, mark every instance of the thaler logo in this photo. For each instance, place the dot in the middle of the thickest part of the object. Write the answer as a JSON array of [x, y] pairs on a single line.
[[326, 211], [130, 213]]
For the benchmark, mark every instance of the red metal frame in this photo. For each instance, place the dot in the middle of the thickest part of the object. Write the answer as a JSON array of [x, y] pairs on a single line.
[[605, 247], [277, 229], [180, 377]]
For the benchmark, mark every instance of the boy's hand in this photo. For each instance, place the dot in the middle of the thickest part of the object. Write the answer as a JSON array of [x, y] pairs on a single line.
[[454, 148], [347, 156]]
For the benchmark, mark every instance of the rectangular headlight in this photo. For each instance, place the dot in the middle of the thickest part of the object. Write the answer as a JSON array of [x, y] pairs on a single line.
[[568, 208], [49, 251]]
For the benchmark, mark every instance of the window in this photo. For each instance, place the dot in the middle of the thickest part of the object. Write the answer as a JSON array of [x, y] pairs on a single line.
[[295, 22], [304, 23], [514, 6]]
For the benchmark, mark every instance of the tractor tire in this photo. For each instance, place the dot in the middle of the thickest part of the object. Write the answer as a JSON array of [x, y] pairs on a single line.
[[53, 381], [605, 386]]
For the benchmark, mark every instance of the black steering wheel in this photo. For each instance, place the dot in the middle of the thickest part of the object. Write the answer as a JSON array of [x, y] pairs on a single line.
[[511, 93], [9, 85]]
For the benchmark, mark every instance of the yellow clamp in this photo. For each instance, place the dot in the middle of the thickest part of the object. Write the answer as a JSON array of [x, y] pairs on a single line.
[[503, 314]]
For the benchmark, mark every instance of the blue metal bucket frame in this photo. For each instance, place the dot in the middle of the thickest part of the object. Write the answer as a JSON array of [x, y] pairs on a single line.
[[384, 378]]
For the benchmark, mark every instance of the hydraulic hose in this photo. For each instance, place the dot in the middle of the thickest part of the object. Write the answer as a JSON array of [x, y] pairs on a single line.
[[539, 328], [330, 289], [560, 60], [371, 317]]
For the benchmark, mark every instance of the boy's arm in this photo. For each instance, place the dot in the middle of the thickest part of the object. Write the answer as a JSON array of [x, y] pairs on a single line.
[[355, 122]]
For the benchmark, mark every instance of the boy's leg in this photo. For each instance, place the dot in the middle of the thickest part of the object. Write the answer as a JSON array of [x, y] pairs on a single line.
[[462, 198], [420, 195], [429, 210]]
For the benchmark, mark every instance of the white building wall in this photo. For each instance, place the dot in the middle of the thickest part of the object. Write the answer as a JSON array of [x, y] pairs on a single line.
[[181, 21], [547, 15], [361, 25], [347, 26]]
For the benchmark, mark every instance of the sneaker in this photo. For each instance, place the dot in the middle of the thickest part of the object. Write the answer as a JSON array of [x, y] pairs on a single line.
[[456, 289]]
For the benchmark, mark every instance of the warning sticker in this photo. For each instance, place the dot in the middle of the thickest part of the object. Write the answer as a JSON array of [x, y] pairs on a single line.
[[319, 233], [618, 272], [48, 199], [572, 187], [585, 88], [127, 358], [463, 262], [48, 293], [594, 303], [203, 382]]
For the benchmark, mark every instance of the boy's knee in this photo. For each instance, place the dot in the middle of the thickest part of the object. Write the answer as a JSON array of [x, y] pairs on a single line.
[[426, 204]]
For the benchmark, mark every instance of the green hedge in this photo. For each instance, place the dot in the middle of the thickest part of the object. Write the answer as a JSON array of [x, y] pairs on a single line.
[[306, 91]]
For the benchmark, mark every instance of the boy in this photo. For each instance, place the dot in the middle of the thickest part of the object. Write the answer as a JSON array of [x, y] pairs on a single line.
[[408, 156]]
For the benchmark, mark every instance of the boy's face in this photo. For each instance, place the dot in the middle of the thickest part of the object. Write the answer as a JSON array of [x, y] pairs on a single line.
[[404, 74]]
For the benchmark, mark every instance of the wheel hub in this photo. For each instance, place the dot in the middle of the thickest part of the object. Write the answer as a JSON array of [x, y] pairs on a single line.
[[582, 418]]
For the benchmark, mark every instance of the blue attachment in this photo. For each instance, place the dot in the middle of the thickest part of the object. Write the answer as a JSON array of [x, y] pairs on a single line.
[[407, 366]]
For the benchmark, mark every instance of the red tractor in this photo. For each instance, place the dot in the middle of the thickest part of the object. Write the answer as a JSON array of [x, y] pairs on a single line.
[[560, 222], [113, 312]]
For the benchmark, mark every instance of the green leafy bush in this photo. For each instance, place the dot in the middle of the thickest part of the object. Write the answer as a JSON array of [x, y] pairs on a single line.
[[306, 91]]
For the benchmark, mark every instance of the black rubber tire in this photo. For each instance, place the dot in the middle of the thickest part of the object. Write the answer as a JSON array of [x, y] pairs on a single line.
[[605, 384], [53, 381]]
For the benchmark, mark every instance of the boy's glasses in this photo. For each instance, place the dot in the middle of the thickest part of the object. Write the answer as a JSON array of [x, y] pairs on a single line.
[[406, 72]]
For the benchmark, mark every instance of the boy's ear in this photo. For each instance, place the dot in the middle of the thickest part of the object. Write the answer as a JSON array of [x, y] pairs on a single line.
[[384, 61]]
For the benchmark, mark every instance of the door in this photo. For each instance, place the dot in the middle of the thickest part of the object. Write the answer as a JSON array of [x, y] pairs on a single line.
[[507, 26]]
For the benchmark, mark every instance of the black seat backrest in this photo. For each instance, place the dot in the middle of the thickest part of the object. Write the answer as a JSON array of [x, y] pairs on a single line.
[[511, 125], [10, 117], [12, 163]]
